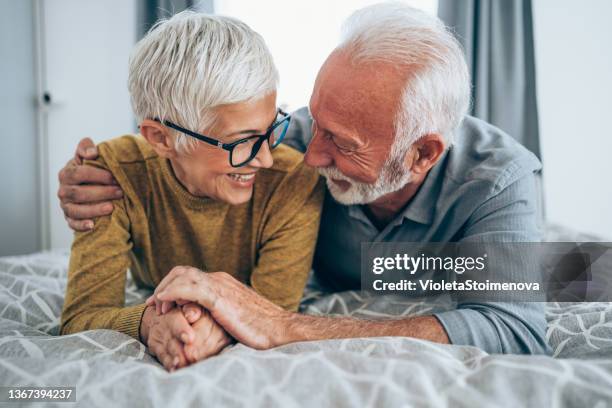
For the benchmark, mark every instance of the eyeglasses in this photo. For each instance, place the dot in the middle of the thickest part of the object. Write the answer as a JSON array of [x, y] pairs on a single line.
[[244, 150]]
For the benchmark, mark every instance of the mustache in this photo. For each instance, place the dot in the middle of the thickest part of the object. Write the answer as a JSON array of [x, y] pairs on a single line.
[[333, 172]]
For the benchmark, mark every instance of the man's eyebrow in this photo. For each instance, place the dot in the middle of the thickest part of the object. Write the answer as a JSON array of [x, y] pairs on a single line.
[[336, 132]]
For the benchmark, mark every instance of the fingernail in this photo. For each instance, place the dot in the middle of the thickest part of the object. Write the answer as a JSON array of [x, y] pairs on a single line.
[[175, 362], [90, 151], [118, 193], [89, 224], [108, 207], [190, 315]]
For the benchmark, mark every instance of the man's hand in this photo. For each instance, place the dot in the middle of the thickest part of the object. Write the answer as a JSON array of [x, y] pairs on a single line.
[[165, 335], [248, 317], [86, 192], [258, 323]]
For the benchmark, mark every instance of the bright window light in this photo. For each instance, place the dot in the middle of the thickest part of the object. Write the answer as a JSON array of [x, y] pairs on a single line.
[[300, 35]]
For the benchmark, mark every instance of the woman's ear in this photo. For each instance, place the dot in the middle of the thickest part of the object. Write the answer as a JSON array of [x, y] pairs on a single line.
[[158, 137], [426, 153]]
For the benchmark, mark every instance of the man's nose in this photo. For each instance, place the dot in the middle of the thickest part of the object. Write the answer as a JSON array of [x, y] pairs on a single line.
[[263, 158], [318, 153]]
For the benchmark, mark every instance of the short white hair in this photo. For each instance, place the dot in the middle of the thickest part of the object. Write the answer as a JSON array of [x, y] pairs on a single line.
[[193, 62], [436, 96]]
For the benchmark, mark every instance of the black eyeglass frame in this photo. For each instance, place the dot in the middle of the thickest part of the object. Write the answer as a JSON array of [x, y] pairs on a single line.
[[230, 146]]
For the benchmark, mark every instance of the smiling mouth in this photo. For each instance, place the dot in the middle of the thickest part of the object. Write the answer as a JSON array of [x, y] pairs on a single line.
[[241, 177]]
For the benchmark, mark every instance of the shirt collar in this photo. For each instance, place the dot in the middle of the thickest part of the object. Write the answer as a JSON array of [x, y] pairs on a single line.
[[422, 207]]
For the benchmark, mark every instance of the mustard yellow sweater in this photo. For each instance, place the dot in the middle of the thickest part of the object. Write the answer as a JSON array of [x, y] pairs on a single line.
[[267, 243]]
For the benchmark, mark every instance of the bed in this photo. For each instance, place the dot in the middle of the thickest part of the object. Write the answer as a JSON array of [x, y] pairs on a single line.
[[109, 368]]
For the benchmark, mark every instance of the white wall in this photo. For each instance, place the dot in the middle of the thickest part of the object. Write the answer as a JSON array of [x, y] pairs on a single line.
[[87, 46], [19, 206], [574, 73]]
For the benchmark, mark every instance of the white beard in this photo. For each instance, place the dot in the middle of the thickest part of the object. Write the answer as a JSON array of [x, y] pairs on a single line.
[[392, 178]]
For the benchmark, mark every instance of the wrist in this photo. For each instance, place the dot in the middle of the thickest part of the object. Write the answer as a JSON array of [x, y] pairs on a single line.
[[145, 324], [292, 329]]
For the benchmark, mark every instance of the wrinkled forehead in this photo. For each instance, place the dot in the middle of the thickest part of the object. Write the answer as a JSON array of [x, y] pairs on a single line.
[[363, 96]]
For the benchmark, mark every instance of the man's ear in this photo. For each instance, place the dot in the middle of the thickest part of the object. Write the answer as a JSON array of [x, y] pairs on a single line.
[[426, 152], [158, 137]]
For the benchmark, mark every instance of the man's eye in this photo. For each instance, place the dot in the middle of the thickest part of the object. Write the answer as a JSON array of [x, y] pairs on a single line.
[[343, 148], [339, 143], [330, 136], [346, 149]]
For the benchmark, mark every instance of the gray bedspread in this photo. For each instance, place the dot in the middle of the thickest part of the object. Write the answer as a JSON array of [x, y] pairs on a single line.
[[111, 369]]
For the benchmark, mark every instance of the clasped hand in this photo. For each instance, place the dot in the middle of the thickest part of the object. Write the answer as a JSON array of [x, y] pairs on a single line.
[[181, 334], [226, 308]]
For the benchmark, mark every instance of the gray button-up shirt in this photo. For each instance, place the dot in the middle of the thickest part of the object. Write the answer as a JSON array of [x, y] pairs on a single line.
[[482, 190]]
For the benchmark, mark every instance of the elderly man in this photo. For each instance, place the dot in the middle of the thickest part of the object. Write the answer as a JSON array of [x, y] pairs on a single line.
[[403, 163]]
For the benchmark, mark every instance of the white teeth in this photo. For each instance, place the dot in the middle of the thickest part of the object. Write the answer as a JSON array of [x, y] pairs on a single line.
[[242, 177]]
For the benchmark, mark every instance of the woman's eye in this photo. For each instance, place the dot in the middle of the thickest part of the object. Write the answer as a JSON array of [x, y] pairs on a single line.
[[242, 138]]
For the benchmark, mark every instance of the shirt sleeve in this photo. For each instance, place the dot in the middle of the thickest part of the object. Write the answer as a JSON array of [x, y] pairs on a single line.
[[289, 238], [502, 327], [95, 292]]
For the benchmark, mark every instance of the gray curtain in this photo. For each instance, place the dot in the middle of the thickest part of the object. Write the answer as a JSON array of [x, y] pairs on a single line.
[[498, 40], [149, 11]]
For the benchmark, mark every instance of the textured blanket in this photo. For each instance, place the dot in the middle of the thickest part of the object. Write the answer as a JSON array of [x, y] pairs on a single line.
[[111, 369]]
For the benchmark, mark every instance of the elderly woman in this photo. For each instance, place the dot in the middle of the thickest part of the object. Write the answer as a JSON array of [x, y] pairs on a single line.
[[206, 185]]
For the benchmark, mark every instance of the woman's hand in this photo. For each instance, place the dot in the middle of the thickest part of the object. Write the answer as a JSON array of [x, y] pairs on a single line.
[[210, 337], [248, 317], [166, 335]]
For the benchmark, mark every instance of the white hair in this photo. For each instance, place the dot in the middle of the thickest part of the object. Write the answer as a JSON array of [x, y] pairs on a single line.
[[436, 96], [193, 62]]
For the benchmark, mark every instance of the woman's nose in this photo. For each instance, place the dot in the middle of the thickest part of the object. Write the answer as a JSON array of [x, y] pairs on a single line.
[[263, 158]]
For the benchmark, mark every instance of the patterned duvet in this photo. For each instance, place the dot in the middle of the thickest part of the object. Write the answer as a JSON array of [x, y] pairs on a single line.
[[111, 369]]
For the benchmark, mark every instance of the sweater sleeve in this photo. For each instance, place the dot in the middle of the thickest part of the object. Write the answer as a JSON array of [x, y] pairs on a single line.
[[289, 238], [99, 260]]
